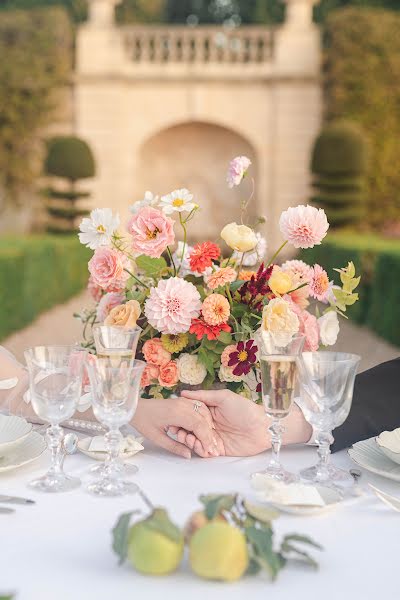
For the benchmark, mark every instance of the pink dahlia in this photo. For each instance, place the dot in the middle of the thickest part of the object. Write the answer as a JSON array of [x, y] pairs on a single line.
[[319, 285], [151, 231], [107, 268], [299, 270], [107, 302], [237, 170], [172, 305], [304, 226]]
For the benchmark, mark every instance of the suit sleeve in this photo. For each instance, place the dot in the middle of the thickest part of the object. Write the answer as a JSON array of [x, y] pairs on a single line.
[[375, 408]]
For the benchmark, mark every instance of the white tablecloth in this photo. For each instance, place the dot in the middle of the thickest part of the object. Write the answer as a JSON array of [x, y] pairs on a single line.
[[60, 548]]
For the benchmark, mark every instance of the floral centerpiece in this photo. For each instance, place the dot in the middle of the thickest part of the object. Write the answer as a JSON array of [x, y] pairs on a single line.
[[198, 306]]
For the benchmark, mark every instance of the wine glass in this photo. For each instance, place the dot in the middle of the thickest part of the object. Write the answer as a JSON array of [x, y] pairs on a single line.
[[278, 365], [115, 395], [116, 342], [326, 393], [55, 374]]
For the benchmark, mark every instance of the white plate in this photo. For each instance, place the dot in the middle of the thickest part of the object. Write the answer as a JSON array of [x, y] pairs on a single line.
[[84, 444], [370, 457], [12, 429], [24, 452], [389, 443], [331, 498]]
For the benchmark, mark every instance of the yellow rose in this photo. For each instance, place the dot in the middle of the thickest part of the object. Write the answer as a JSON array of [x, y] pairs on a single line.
[[280, 282], [239, 237], [279, 321], [124, 315]]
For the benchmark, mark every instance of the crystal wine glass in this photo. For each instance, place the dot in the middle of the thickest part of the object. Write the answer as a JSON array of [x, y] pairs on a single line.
[[278, 365], [55, 374], [326, 393], [115, 395]]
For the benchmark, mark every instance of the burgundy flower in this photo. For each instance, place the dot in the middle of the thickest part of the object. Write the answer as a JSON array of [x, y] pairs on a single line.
[[254, 291], [243, 357]]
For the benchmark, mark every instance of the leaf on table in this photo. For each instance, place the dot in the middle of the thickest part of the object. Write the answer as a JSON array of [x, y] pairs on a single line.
[[261, 513], [215, 504], [261, 542], [120, 535], [8, 596], [290, 550], [254, 567], [159, 521]]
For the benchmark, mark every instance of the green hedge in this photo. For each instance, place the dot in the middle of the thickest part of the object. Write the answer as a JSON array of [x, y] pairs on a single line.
[[378, 261], [35, 274]]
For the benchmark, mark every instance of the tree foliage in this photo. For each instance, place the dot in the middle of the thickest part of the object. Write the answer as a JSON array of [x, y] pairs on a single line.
[[35, 50], [362, 74]]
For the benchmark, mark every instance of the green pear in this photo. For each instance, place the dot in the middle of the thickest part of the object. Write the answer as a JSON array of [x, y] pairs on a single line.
[[218, 551], [155, 545]]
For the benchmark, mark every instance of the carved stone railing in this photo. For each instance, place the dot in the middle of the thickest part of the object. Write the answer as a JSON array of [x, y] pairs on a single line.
[[204, 44]]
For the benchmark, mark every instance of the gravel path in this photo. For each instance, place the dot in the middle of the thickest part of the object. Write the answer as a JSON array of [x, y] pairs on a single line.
[[58, 326]]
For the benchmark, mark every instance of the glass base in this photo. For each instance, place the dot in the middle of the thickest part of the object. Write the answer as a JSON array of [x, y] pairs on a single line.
[[278, 475], [112, 487], [124, 469], [54, 483], [330, 475]]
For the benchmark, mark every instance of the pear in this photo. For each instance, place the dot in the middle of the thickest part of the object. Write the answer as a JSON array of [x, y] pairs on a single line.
[[218, 551], [197, 520], [155, 545]]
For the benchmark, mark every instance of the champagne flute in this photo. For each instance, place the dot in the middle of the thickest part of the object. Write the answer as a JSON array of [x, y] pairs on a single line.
[[115, 395], [278, 365], [55, 374]]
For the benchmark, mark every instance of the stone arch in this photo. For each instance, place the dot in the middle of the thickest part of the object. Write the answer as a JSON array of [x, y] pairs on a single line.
[[195, 154]]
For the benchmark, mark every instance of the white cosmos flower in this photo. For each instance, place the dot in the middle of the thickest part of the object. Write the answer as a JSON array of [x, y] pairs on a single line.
[[177, 201], [181, 258], [97, 230], [149, 200], [255, 256]]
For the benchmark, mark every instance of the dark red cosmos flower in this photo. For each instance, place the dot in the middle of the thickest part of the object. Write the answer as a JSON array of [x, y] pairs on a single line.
[[243, 357], [200, 328], [253, 292], [202, 256]]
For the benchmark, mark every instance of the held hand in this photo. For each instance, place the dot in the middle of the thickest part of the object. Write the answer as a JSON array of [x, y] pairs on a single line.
[[154, 418]]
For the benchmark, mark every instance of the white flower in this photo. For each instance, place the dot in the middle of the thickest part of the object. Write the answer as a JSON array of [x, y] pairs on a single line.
[[226, 374], [279, 321], [149, 200], [177, 201], [97, 230], [329, 328], [250, 259], [181, 258], [190, 369], [237, 170]]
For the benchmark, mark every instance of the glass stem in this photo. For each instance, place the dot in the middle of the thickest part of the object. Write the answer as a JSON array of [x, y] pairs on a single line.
[[54, 435], [324, 441], [113, 445], [276, 430]]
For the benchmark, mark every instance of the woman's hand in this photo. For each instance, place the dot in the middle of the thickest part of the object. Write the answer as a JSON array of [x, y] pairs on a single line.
[[240, 425], [155, 417]]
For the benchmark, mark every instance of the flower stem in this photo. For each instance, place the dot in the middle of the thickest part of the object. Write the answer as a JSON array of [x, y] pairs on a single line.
[[136, 278], [276, 253], [172, 260], [184, 240]]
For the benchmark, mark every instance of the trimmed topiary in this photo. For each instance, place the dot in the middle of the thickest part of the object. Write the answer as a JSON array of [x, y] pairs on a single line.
[[69, 158], [339, 163]]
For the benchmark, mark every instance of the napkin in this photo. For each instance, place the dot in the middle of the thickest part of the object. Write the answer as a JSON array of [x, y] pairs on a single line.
[[129, 444], [290, 494]]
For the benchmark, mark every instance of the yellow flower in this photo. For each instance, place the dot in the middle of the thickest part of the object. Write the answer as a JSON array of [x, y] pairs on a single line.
[[239, 237], [279, 321], [124, 315], [174, 343], [280, 282]]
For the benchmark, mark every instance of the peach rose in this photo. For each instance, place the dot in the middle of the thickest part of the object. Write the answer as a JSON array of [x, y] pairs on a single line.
[[150, 374], [155, 353], [168, 376], [124, 315]]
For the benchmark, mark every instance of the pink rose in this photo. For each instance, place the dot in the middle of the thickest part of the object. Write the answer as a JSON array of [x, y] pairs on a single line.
[[151, 231], [308, 326], [107, 269], [150, 374], [155, 353], [94, 290], [168, 376], [107, 303]]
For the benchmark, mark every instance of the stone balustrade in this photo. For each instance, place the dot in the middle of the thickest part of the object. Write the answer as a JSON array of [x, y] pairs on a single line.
[[204, 44]]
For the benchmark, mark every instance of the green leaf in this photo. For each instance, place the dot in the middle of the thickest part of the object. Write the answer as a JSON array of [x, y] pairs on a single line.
[[235, 285], [225, 338], [151, 266], [261, 542], [289, 550], [261, 513], [206, 358], [238, 310], [159, 521], [120, 535], [254, 567], [304, 539], [215, 504]]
